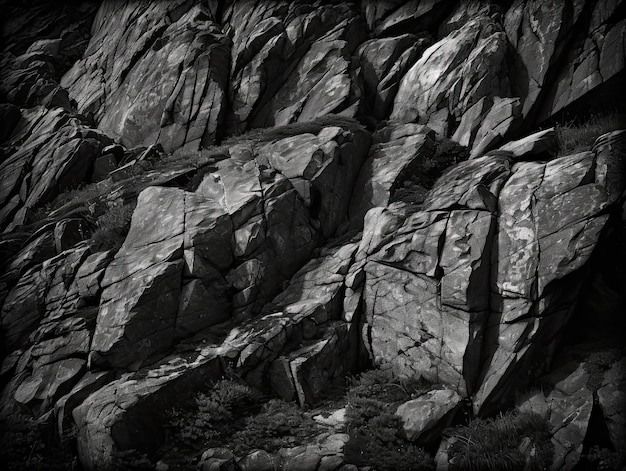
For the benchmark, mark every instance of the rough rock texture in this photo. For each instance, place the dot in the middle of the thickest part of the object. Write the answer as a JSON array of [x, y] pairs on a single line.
[[303, 208], [56, 152], [430, 411], [172, 46]]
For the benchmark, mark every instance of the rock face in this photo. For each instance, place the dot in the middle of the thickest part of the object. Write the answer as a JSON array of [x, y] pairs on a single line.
[[175, 47], [315, 188]]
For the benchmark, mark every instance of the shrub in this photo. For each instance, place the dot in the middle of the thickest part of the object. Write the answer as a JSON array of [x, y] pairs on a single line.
[[112, 227], [578, 137], [502, 443], [604, 459], [279, 424], [28, 444], [374, 430], [214, 416]]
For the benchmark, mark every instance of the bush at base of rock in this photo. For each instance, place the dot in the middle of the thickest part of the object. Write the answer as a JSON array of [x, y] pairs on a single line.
[[375, 430], [112, 228], [512, 441], [234, 416], [24, 444], [280, 424]]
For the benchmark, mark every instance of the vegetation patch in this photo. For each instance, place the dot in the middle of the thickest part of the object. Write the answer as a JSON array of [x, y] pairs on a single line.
[[263, 135], [577, 137], [375, 430], [235, 416], [415, 182], [511, 441], [28, 444], [112, 227]]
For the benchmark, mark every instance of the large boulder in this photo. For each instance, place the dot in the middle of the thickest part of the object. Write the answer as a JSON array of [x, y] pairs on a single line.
[[464, 67], [470, 290], [292, 62]]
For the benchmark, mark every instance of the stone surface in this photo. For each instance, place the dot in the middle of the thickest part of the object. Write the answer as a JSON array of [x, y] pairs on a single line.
[[433, 410], [168, 64], [291, 257], [463, 67], [611, 399], [384, 62], [396, 151], [593, 60], [55, 154]]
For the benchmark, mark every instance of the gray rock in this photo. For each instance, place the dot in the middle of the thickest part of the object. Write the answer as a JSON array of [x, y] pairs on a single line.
[[126, 87], [397, 150], [431, 412]]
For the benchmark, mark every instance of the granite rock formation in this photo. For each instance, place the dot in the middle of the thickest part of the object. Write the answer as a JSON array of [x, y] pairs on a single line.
[[304, 190]]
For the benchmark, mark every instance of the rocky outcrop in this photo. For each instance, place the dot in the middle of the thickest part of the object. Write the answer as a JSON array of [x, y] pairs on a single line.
[[56, 153], [174, 47], [292, 63], [316, 188], [490, 267], [41, 41]]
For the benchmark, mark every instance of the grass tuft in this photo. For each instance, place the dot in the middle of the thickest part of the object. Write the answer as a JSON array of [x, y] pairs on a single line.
[[512, 441], [374, 429], [579, 137]]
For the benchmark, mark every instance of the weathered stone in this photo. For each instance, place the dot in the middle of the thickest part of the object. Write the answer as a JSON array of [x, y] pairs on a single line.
[[592, 62], [397, 150], [611, 399], [200, 307], [567, 408], [287, 58], [90, 274], [610, 150], [24, 306], [68, 232], [258, 460], [168, 64], [107, 420], [63, 408], [384, 61], [539, 242], [314, 368], [499, 122], [534, 29], [217, 459], [474, 184], [536, 145], [39, 249], [305, 458], [430, 413], [323, 169], [462, 68], [49, 382], [55, 154]]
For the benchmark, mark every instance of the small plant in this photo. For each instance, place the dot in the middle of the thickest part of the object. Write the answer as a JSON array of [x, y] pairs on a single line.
[[578, 137], [261, 135], [374, 429], [279, 424], [512, 441], [28, 444], [214, 416], [604, 459], [112, 227]]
